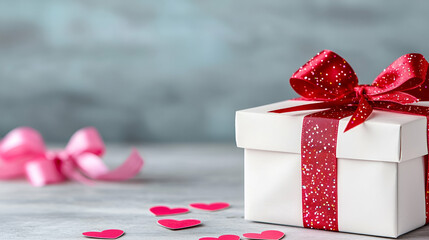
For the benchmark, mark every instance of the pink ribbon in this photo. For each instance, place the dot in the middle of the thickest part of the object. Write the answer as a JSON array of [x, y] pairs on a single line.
[[23, 153]]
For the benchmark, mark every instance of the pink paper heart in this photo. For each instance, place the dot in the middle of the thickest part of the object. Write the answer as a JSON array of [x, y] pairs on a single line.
[[210, 206], [179, 224], [107, 234], [223, 237], [266, 235], [164, 211]]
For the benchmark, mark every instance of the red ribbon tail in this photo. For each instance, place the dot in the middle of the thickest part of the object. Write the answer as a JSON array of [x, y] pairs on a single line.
[[396, 97], [311, 106], [362, 112]]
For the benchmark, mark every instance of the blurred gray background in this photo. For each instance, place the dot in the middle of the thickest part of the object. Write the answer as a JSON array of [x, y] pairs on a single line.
[[172, 71]]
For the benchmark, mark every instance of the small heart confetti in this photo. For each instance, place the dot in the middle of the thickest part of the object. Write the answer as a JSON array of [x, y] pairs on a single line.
[[265, 235], [223, 237], [164, 211], [179, 224], [210, 206], [106, 234]]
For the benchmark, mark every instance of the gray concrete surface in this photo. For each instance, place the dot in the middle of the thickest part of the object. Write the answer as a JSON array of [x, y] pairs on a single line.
[[174, 175]]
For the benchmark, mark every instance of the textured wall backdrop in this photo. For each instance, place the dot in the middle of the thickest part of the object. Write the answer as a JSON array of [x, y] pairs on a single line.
[[177, 70]]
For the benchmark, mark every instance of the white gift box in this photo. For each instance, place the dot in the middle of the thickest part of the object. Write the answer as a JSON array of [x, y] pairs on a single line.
[[380, 169]]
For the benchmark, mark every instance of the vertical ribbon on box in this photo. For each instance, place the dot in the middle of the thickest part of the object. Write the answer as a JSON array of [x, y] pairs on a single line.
[[330, 80], [319, 168]]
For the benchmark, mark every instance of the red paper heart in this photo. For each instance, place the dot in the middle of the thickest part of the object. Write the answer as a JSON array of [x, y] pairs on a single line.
[[107, 234], [163, 210], [210, 206], [223, 237], [266, 235], [179, 224]]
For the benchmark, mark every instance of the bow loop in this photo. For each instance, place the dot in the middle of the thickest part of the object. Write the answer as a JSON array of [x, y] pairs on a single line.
[[20, 143], [326, 77], [86, 140], [406, 73]]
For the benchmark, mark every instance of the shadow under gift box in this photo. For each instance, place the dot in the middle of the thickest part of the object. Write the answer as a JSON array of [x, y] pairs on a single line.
[[380, 169]]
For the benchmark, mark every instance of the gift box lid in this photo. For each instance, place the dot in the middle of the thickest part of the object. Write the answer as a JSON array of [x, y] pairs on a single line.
[[384, 136]]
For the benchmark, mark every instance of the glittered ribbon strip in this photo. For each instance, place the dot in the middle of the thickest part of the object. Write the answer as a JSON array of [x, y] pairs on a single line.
[[319, 168]]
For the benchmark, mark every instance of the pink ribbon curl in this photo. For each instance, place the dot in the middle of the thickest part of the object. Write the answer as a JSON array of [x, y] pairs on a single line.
[[23, 153]]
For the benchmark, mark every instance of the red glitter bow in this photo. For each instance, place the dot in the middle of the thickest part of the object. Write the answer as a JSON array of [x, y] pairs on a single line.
[[327, 77]]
